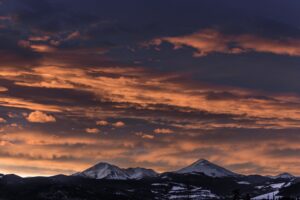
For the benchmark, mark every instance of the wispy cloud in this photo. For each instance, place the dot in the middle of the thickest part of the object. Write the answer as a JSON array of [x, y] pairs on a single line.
[[145, 89], [209, 41], [163, 131], [92, 130]]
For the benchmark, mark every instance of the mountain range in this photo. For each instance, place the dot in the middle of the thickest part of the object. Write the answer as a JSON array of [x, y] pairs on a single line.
[[105, 170], [108, 171], [200, 180]]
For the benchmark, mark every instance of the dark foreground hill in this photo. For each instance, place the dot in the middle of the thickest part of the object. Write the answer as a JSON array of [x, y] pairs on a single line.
[[165, 186]]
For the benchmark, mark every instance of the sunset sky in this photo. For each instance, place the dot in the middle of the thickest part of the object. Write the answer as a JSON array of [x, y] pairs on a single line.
[[149, 83]]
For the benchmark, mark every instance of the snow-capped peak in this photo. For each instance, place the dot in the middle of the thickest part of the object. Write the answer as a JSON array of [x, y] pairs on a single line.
[[207, 168], [284, 175], [104, 170], [139, 173]]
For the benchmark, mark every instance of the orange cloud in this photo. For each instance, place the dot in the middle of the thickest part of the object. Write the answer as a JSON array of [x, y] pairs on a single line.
[[102, 123], [51, 154], [77, 152], [92, 130], [27, 104], [118, 124], [163, 131], [3, 89], [145, 136], [42, 48], [40, 117], [212, 41], [39, 38], [141, 88]]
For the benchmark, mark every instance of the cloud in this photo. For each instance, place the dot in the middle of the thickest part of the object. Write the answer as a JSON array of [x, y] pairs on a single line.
[[92, 130], [34, 148], [40, 117], [102, 123], [145, 136], [139, 89], [118, 124], [39, 38], [2, 120], [209, 41], [163, 131], [5, 18], [13, 102], [41, 48], [73, 35], [3, 89]]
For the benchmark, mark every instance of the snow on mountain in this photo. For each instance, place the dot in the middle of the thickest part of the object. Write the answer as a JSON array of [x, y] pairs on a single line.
[[108, 171], [139, 173], [105, 171], [181, 192], [284, 176], [207, 168], [275, 191], [270, 195]]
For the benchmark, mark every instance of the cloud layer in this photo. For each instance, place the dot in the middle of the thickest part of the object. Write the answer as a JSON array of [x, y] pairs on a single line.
[[209, 41]]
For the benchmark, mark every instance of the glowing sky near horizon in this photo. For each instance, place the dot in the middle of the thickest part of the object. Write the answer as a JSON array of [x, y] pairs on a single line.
[[155, 84]]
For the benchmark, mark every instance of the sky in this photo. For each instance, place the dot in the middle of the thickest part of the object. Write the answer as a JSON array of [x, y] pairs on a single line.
[[156, 84]]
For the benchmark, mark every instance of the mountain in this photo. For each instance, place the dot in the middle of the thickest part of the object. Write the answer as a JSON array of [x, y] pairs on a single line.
[[11, 179], [139, 173], [284, 176], [200, 180], [1, 175], [109, 171], [167, 186], [207, 168], [104, 171]]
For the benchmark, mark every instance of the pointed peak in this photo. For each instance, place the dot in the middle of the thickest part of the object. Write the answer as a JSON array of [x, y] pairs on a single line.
[[202, 161], [284, 175], [208, 168], [105, 170], [103, 164]]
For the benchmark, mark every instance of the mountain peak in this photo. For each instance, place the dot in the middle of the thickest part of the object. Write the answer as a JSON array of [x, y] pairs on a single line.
[[202, 161], [103, 164], [207, 168], [284, 176], [104, 170], [139, 173]]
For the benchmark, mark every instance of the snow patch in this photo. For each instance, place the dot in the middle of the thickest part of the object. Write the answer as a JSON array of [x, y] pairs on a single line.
[[243, 183], [271, 195]]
